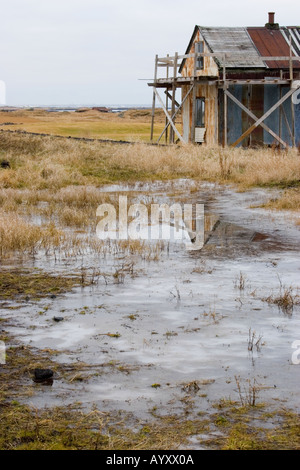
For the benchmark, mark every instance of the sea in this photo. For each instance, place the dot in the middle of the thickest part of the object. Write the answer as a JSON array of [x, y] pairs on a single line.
[[115, 108]]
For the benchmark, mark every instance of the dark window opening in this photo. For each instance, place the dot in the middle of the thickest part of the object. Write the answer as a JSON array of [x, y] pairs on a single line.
[[199, 48], [200, 112]]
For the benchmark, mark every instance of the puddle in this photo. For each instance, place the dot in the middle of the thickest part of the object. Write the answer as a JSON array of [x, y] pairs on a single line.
[[182, 318]]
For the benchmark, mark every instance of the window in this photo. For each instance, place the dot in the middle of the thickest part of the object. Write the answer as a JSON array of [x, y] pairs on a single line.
[[200, 112], [199, 48]]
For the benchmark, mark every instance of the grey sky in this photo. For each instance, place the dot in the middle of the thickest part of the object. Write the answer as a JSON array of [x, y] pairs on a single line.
[[94, 51]]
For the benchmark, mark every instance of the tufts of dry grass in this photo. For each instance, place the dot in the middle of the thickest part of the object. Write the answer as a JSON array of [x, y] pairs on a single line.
[[248, 168], [41, 163], [288, 200], [286, 299], [17, 235]]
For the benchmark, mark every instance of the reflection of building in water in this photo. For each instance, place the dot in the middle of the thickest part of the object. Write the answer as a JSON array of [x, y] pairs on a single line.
[[2, 93], [200, 227]]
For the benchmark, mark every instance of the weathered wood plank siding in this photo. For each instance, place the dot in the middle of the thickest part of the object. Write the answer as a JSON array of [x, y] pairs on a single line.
[[210, 68], [203, 90]]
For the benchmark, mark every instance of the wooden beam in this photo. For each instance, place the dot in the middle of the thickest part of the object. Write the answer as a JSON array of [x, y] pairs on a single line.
[[172, 135], [163, 82], [169, 117], [255, 118], [264, 117], [194, 101], [153, 100], [254, 82], [176, 112], [182, 81], [280, 109], [232, 55], [167, 61], [292, 104], [225, 104], [170, 96], [167, 106], [281, 58]]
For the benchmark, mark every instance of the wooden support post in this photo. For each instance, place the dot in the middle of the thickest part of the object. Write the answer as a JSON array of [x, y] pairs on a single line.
[[170, 96], [280, 108], [176, 112], [225, 103], [172, 135], [194, 100], [169, 117], [194, 112], [167, 105], [153, 99], [264, 117], [292, 104]]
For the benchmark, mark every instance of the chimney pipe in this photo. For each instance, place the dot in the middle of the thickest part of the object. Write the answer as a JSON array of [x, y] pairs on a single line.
[[271, 17], [271, 24]]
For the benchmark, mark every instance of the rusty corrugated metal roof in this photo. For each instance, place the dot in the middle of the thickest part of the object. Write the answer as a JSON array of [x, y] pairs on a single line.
[[235, 41], [248, 45], [270, 43], [293, 32]]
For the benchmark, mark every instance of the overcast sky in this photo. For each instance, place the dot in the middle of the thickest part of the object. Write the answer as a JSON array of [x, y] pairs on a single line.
[[95, 51]]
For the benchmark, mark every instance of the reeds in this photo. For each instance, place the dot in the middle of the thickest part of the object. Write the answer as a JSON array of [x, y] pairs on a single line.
[[19, 236], [288, 200], [248, 391]]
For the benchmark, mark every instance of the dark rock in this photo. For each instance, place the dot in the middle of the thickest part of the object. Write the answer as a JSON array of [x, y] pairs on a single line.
[[53, 296], [58, 319], [5, 164], [42, 375], [101, 109]]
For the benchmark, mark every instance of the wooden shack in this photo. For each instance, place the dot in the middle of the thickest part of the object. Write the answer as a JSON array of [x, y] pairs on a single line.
[[237, 86]]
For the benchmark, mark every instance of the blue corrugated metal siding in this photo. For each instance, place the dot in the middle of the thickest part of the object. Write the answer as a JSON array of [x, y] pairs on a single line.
[[234, 115], [297, 124], [236, 118], [271, 96], [288, 112]]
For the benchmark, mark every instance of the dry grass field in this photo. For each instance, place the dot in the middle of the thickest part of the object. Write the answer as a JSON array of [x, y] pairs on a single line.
[[131, 125]]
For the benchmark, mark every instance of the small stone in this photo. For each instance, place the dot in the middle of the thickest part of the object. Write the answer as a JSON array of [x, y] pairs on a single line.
[[58, 319], [4, 164], [42, 375]]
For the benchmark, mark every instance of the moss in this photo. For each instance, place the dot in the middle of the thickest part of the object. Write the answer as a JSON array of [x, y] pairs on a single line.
[[65, 428], [280, 184], [241, 437], [256, 428], [24, 284], [156, 385]]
